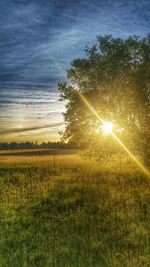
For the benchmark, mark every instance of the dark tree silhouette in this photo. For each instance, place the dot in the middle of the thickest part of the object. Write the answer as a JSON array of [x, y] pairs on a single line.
[[115, 78]]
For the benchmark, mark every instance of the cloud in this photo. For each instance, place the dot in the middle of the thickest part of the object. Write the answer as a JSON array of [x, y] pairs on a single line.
[[27, 109], [11, 131], [38, 41]]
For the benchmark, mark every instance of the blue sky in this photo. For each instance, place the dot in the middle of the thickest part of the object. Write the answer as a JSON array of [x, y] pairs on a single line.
[[38, 40]]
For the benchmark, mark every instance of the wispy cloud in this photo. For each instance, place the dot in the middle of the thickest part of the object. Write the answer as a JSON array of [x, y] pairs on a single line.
[[40, 38], [23, 110], [11, 131], [38, 41]]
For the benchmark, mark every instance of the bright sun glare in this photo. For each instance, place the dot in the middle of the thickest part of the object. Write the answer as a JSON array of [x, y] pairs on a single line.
[[107, 127]]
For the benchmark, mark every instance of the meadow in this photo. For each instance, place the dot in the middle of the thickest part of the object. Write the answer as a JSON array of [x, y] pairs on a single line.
[[61, 210]]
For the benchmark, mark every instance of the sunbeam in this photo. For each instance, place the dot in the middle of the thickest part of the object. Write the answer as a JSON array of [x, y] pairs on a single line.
[[115, 136]]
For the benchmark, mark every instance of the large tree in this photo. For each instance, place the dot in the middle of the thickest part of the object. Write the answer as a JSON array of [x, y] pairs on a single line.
[[115, 79]]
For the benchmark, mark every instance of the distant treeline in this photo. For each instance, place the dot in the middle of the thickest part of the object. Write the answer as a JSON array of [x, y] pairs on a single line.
[[50, 145]]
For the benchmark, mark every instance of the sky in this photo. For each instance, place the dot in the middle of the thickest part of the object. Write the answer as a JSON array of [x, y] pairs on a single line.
[[38, 40]]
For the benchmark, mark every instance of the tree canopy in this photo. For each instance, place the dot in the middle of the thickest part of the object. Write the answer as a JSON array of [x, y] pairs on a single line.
[[114, 77]]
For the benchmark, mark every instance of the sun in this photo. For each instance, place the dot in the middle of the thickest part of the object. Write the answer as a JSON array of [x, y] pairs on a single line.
[[107, 127]]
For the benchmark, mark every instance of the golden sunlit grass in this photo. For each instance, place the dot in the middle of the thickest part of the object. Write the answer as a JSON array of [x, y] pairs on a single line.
[[72, 212]]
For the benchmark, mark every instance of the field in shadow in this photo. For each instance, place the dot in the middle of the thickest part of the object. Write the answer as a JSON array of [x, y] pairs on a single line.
[[36, 152]]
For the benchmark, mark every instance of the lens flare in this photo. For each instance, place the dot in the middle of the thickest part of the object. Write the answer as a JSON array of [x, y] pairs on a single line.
[[114, 135], [107, 127]]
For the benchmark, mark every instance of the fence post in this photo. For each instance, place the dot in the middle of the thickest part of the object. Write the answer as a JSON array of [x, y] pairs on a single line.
[[54, 161]]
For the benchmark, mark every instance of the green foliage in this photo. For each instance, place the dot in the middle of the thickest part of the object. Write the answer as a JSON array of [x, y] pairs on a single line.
[[115, 78]]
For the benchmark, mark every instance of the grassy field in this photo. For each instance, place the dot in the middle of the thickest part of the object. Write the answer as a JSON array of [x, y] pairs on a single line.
[[59, 210]]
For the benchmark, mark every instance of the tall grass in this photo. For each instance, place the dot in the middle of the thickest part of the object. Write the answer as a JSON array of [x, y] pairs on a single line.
[[71, 213]]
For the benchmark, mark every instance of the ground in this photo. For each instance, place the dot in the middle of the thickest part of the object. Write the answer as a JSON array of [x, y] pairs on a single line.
[[59, 209]]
